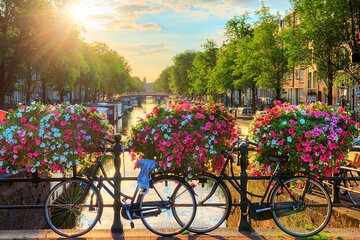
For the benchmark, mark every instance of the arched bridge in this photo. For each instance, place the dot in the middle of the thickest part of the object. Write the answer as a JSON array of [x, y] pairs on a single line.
[[143, 94]]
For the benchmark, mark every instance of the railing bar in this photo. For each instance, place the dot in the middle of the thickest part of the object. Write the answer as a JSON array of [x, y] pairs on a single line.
[[21, 206], [4, 207], [37, 180], [350, 168]]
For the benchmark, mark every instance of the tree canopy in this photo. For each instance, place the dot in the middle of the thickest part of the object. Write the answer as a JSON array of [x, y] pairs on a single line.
[[40, 45]]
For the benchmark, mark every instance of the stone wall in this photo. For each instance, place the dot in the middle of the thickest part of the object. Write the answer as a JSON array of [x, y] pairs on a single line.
[[22, 193]]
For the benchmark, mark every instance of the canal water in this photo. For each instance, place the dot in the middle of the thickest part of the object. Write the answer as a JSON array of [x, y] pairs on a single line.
[[127, 168]]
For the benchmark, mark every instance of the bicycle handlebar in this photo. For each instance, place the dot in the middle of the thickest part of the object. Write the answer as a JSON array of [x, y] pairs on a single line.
[[109, 140], [243, 145]]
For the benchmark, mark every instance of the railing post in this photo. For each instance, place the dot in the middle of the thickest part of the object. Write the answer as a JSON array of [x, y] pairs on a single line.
[[335, 190], [117, 225], [243, 224]]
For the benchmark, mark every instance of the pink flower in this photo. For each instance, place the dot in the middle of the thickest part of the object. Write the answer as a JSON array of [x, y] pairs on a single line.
[[207, 126], [199, 116]]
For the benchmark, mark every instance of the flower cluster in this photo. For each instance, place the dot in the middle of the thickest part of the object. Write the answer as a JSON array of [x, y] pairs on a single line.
[[314, 137], [184, 139], [50, 138]]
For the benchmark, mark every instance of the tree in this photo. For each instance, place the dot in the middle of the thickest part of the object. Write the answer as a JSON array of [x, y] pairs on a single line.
[[89, 79], [162, 83], [65, 61], [324, 26], [238, 28], [247, 68], [270, 53], [179, 80], [202, 66], [136, 85], [225, 75], [222, 77]]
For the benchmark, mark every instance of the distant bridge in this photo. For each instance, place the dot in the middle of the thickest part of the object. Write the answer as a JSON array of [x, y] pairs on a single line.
[[143, 94]]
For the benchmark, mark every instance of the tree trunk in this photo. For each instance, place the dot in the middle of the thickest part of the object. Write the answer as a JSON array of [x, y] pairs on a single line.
[[61, 95], [330, 82], [43, 93], [329, 97], [240, 97], [254, 98]]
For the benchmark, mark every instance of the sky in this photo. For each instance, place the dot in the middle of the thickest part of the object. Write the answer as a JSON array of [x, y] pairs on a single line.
[[149, 33]]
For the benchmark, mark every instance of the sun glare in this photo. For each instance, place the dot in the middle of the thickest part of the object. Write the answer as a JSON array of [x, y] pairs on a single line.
[[80, 12], [89, 14]]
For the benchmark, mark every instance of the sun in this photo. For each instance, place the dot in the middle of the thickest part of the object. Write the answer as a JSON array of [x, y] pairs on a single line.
[[90, 14], [80, 12]]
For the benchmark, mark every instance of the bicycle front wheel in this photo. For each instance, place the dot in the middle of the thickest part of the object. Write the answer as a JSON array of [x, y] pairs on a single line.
[[213, 203], [169, 207], [73, 207], [301, 206]]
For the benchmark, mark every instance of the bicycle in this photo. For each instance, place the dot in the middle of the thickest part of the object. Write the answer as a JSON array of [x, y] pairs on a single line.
[[287, 197], [74, 206]]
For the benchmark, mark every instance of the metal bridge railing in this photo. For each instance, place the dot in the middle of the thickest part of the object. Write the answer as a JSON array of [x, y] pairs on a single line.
[[116, 150]]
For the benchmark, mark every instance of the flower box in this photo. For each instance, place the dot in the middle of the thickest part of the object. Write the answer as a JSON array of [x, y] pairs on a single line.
[[314, 137], [185, 140], [49, 138]]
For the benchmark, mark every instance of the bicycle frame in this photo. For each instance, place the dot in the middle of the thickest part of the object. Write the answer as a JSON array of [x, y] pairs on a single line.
[[127, 207], [275, 177], [94, 178]]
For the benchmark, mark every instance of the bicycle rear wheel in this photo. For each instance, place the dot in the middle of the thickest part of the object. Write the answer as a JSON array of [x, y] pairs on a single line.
[[213, 203], [169, 207], [73, 207], [301, 207]]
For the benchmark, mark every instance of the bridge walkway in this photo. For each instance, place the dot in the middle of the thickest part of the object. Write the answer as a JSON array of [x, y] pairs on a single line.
[[218, 234]]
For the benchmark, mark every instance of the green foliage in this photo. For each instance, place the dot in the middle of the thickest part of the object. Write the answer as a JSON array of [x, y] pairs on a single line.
[[37, 39], [179, 80], [202, 66], [161, 84], [321, 31], [222, 77], [238, 27]]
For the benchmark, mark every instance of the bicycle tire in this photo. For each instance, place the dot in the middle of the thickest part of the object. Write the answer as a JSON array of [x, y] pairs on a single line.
[[67, 216], [163, 215], [309, 214], [352, 186], [210, 214]]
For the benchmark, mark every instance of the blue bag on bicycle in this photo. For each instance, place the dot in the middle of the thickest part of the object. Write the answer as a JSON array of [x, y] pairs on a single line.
[[146, 166]]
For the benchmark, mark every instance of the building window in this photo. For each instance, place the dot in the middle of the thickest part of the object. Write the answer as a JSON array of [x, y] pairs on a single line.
[[299, 73], [301, 95], [309, 80]]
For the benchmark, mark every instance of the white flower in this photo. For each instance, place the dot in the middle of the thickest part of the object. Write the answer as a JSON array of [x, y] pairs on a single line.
[[289, 139], [302, 121]]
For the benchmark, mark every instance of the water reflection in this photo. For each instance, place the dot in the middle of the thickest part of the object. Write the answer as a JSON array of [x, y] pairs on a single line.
[[127, 169]]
